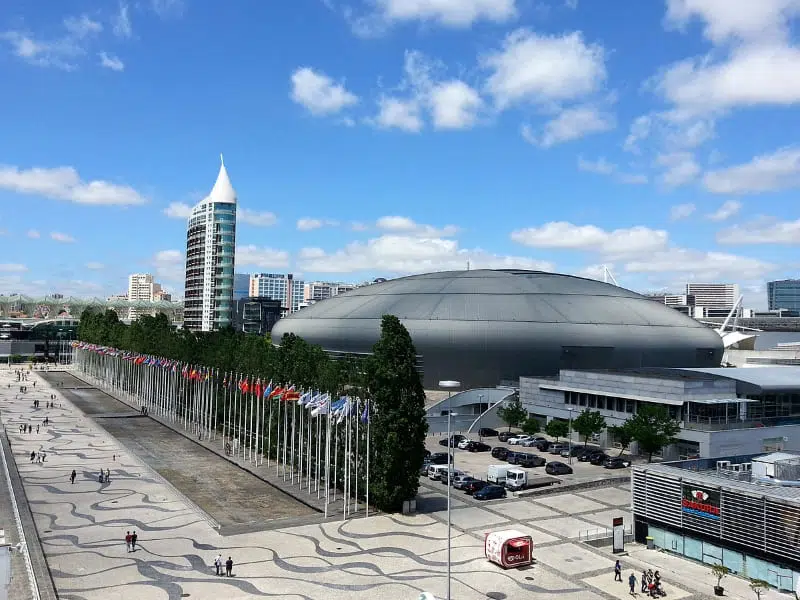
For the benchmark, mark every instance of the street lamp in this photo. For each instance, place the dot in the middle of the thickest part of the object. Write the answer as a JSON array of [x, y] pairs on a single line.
[[569, 434], [480, 408], [449, 385]]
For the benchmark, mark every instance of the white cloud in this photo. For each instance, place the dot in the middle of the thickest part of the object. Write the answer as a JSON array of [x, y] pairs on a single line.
[[406, 226], [640, 130], [600, 166], [109, 61], [682, 211], [765, 230], [256, 218], [64, 183], [307, 224], [541, 69], [95, 266], [60, 53], [697, 265], [454, 105], [121, 22], [12, 268], [765, 173], [320, 94], [178, 210], [169, 265], [450, 13], [409, 254], [726, 211], [572, 124], [359, 226], [633, 178], [81, 27], [264, 258], [681, 168], [394, 113], [64, 238], [34, 234], [620, 242], [168, 8]]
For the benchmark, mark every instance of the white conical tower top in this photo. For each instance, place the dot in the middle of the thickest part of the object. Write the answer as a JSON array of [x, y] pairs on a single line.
[[223, 190]]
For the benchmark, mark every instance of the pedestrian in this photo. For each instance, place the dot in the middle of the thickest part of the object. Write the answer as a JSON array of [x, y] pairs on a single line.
[[44, 456], [72, 476], [108, 476], [37, 429], [617, 572], [33, 455], [114, 457], [218, 564], [229, 567], [128, 541], [134, 538], [30, 428], [632, 583], [100, 478], [644, 581]]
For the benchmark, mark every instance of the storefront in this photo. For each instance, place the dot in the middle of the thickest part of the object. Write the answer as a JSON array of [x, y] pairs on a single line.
[[719, 515]]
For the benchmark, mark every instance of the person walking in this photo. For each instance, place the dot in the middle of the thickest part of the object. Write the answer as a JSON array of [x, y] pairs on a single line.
[[108, 476], [617, 572], [632, 583], [218, 564], [33, 455], [229, 567], [644, 581], [72, 476], [134, 539], [128, 541]]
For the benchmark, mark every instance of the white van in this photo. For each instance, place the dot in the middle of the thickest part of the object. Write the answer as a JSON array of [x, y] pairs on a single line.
[[435, 472]]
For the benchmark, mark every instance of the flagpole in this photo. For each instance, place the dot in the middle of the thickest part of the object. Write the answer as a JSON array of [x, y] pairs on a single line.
[[318, 470], [277, 438], [369, 418], [285, 435], [327, 455], [355, 494], [269, 432]]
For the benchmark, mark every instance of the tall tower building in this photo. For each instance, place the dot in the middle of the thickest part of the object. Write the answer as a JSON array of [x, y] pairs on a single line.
[[210, 249], [141, 288]]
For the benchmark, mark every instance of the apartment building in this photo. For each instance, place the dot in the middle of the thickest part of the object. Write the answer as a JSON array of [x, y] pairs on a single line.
[[279, 286]]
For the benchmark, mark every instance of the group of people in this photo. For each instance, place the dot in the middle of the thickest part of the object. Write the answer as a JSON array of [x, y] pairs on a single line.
[[650, 581], [218, 562], [130, 541], [39, 457], [105, 477]]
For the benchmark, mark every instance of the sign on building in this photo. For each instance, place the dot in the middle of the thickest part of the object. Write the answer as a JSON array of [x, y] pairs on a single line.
[[700, 501]]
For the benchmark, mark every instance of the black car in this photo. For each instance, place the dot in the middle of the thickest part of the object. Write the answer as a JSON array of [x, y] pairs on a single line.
[[487, 432], [473, 486], [599, 458], [558, 468], [478, 447], [490, 492], [517, 458], [531, 460], [511, 457], [454, 440], [616, 462], [543, 445], [504, 436], [499, 452], [588, 456], [439, 458]]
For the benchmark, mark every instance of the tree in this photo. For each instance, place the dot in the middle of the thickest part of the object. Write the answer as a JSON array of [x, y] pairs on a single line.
[[531, 426], [623, 435], [759, 586], [557, 428], [512, 413], [398, 421], [652, 428], [588, 423]]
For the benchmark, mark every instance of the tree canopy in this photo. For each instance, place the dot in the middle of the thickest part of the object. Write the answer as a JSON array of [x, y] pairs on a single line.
[[557, 428], [652, 428], [588, 423], [531, 426], [512, 413]]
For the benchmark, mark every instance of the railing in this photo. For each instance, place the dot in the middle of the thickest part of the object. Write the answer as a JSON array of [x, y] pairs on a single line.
[[24, 548], [602, 533]]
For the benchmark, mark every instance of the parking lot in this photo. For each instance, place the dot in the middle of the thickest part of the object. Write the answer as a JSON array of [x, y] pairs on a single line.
[[476, 464]]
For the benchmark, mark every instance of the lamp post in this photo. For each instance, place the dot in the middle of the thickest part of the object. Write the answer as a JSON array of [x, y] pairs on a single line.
[[480, 408], [449, 385], [569, 434]]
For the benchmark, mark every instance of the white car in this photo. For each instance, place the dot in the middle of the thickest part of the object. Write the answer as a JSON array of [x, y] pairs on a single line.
[[517, 440], [462, 445]]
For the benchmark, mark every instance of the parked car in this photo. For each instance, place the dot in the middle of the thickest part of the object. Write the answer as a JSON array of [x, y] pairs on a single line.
[[558, 468], [462, 444], [543, 445], [616, 462], [439, 458], [557, 448], [500, 452], [473, 486], [575, 451], [445, 480], [487, 432], [436, 471], [423, 470], [587, 456], [532, 460], [460, 481], [599, 458], [478, 447], [454, 440], [511, 457], [490, 492], [533, 442], [518, 439], [504, 436]]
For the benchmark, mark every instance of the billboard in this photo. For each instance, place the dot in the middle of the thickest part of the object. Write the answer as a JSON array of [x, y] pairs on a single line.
[[700, 501]]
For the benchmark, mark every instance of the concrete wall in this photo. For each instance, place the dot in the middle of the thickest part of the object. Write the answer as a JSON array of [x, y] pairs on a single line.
[[751, 441]]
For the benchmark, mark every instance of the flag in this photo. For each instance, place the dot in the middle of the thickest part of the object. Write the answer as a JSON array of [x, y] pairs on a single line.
[[257, 388], [277, 393], [322, 407], [244, 386], [267, 390], [365, 414], [291, 394]]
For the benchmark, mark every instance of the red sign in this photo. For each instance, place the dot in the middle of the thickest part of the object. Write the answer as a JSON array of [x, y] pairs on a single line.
[[517, 553]]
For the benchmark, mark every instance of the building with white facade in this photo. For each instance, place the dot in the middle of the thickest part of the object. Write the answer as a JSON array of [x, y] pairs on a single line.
[[722, 296], [210, 258], [279, 286], [315, 291], [142, 287]]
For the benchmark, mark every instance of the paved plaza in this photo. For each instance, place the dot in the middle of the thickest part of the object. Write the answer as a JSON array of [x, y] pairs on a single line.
[[82, 527]]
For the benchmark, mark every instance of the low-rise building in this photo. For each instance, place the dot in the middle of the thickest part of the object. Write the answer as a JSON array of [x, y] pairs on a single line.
[[256, 315]]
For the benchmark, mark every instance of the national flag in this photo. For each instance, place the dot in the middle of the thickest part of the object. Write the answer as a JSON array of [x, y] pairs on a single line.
[[185, 371], [323, 406], [277, 393], [365, 414], [267, 390], [291, 394], [257, 388], [244, 386]]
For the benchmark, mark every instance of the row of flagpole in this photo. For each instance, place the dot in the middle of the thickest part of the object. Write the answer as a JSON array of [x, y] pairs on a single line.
[[255, 419]]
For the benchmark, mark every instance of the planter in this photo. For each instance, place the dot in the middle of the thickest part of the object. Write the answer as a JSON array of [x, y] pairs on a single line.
[[719, 590]]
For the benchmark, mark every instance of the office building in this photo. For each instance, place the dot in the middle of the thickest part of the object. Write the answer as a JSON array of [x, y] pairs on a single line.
[[142, 288], [279, 286], [322, 290], [210, 257], [720, 296], [783, 294], [256, 315], [241, 286]]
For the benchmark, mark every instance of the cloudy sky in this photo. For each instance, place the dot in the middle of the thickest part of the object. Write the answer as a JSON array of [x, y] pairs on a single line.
[[382, 137]]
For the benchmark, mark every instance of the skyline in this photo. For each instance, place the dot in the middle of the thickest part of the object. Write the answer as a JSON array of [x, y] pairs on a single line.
[[390, 137]]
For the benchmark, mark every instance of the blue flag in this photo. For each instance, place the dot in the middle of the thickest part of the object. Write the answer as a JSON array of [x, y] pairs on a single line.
[[365, 414]]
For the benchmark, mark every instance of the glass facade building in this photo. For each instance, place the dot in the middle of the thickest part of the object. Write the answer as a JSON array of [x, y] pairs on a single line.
[[783, 294], [210, 260]]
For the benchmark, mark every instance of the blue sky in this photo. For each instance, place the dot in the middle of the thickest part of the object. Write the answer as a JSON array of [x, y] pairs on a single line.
[[381, 137]]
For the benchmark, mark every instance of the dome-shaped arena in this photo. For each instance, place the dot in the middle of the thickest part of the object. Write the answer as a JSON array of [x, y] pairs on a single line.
[[485, 326]]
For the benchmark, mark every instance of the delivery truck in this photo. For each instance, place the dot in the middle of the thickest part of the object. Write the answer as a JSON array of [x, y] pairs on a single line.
[[497, 474]]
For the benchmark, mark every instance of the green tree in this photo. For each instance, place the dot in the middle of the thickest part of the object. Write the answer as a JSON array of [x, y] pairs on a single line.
[[623, 435], [652, 428], [557, 428], [588, 423], [512, 413], [398, 421], [531, 426]]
